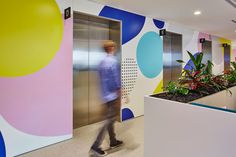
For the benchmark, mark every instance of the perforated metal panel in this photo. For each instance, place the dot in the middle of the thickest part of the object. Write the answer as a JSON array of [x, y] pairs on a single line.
[[129, 73]]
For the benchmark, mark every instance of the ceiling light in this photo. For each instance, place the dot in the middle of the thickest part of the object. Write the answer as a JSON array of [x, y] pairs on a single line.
[[197, 12]]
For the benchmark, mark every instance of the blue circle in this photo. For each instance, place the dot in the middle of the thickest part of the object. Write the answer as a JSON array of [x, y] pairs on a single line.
[[149, 54], [127, 114], [2, 146], [159, 24], [132, 24]]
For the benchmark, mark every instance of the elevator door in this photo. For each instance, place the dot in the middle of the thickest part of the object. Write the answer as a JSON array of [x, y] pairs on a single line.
[[207, 51], [172, 51], [227, 57], [90, 32]]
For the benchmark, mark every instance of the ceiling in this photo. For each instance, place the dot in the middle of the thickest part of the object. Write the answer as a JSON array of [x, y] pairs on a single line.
[[216, 17]]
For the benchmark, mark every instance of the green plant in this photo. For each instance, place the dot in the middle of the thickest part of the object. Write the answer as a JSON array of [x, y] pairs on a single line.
[[199, 78], [198, 65], [230, 74], [175, 88], [233, 65]]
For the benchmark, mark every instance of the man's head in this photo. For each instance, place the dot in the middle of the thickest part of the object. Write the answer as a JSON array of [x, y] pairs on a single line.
[[110, 47]]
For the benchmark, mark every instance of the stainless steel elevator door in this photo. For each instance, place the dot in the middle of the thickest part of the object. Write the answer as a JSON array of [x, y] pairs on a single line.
[[167, 60], [99, 31], [80, 72], [227, 57], [172, 51], [207, 51], [90, 32]]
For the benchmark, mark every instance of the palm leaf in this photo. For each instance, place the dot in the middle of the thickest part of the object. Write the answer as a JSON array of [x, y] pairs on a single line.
[[192, 58], [233, 64], [180, 61], [199, 61], [209, 66]]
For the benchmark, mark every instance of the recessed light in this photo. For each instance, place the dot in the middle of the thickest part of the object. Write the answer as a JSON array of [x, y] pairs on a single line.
[[197, 12]]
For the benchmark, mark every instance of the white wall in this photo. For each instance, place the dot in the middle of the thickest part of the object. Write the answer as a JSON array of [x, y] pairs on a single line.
[[144, 85]]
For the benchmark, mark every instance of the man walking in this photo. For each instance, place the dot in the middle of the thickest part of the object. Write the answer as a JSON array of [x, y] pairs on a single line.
[[109, 72]]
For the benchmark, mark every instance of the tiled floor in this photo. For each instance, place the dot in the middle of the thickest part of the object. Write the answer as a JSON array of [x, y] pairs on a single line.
[[131, 132]]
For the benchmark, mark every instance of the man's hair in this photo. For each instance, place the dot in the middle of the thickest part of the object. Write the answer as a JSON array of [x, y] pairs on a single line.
[[108, 43]]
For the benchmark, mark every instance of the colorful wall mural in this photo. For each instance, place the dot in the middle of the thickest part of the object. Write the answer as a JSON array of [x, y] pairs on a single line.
[[141, 43], [36, 68], [35, 75]]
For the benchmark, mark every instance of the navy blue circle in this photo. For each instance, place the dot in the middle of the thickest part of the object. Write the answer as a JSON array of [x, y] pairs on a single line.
[[2, 146], [132, 23], [127, 114], [159, 24]]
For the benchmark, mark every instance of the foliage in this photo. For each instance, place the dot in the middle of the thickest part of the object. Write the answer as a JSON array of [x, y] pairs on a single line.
[[230, 74], [200, 78], [233, 65], [174, 88]]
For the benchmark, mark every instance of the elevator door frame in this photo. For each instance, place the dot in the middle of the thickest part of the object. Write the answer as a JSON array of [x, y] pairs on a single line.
[[168, 68], [207, 54], [119, 50], [227, 57]]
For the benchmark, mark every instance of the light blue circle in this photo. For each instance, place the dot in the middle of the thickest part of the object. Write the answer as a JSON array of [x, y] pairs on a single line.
[[150, 54]]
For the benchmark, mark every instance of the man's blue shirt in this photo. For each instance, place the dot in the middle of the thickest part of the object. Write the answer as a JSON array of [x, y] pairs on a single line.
[[109, 72]]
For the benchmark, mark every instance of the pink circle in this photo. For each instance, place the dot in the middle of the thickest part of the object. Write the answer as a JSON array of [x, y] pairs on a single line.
[[234, 54], [41, 103]]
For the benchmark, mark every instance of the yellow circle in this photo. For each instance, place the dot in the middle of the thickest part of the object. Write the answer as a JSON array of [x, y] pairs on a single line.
[[30, 35]]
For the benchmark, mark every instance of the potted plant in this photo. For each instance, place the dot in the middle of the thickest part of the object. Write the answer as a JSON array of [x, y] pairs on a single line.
[[198, 81], [195, 116]]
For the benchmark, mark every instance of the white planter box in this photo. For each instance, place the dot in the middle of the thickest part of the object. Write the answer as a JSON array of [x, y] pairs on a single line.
[[174, 129]]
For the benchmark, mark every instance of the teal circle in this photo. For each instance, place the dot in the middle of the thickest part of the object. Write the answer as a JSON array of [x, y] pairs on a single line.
[[150, 54]]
